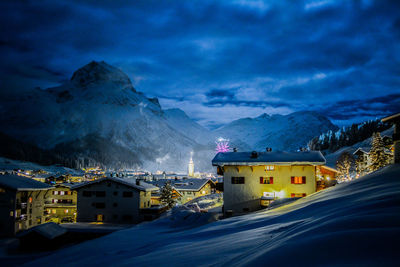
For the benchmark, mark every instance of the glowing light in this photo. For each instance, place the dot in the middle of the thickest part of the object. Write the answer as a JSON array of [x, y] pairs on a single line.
[[280, 194], [222, 145]]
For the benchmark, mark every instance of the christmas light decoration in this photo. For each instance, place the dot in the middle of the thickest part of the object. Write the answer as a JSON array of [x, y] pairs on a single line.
[[222, 145]]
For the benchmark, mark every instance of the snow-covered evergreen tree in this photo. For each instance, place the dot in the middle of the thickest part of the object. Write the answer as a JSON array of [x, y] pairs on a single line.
[[345, 166], [377, 153], [166, 196], [361, 167]]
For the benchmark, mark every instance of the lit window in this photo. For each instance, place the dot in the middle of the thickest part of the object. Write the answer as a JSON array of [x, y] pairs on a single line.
[[54, 211], [204, 192], [55, 192], [266, 180], [269, 167], [298, 179], [61, 193], [66, 211], [298, 194], [12, 213], [30, 200]]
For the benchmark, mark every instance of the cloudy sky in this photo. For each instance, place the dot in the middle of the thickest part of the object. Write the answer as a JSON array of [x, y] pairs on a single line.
[[217, 60]]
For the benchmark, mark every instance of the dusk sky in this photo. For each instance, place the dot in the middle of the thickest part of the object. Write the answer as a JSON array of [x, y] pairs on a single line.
[[216, 60]]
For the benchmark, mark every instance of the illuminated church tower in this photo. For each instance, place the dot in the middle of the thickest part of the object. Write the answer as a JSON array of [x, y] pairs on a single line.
[[191, 166]]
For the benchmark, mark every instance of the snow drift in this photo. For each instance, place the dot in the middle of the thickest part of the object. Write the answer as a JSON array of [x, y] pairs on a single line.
[[354, 223]]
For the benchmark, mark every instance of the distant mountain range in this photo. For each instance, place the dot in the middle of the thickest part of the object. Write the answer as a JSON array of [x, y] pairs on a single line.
[[97, 117], [277, 132]]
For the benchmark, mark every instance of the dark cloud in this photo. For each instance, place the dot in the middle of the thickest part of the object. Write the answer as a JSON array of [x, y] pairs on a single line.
[[269, 56]]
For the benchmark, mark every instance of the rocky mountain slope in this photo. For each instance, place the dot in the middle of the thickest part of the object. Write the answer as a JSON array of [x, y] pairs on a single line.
[[97, 114]]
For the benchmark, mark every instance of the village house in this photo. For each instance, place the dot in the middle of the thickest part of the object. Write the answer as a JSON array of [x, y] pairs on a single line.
[[253, 179], [60, 206], [21, 203], [326, 177], [188, 188], [113, 200], [156, 195], [363, 158]]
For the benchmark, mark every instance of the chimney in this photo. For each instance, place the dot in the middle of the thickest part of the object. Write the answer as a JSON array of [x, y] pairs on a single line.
[[268, 149], [234, 149], [254, 155]]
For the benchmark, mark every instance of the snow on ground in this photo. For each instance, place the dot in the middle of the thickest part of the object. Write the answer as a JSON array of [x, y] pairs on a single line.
[[10, 164], [356, 223]]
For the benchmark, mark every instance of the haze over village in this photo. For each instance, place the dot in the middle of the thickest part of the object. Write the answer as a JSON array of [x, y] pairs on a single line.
[[180, 133]]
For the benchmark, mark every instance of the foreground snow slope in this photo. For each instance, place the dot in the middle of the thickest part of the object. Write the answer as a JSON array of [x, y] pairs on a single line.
[[352, 223]]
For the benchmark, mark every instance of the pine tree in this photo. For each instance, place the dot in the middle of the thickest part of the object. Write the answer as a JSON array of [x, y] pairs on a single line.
[[361, 167], [345, 166], [377, 153], [166, 196]]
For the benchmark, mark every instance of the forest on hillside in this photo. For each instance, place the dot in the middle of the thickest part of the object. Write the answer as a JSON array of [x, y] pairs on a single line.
[[347, 136]]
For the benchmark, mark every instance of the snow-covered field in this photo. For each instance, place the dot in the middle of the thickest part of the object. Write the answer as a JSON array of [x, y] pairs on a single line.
[[9, 164], [356, 223]]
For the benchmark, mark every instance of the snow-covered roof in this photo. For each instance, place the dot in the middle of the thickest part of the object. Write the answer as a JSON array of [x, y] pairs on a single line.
[[49, 230], [190, 184], [21, 183], [128, 182], [364, 150], [262, 158]]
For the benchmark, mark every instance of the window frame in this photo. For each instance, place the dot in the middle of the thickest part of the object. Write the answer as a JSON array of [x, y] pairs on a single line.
[[266, 180], [296, 180], [238, 180]]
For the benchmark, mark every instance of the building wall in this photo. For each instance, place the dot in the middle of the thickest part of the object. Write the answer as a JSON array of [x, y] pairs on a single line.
[[246, 197], [117, 208], [55, 209], [29, 209], [7, 212], [188, 195]]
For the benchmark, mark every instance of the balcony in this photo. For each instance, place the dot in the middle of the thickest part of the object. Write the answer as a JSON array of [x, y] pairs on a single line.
[[21, 205], [21, 218]]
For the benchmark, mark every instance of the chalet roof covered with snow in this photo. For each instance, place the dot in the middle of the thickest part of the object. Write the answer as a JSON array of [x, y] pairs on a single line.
[[189, 184], [49, 230], [21, 183], [263, 158], [128, 182]]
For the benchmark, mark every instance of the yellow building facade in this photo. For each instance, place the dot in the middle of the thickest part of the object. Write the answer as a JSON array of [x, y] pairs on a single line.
[[252, 180]]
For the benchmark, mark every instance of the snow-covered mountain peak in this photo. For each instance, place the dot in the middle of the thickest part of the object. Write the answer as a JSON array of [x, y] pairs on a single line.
[[96, 73], [264, 116]]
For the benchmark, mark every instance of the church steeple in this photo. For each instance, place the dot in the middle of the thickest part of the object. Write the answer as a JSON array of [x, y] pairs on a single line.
[[191, 166]]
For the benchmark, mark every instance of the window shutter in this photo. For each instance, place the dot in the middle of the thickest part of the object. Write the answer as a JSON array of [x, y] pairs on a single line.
[[292, 179], [271, 180], [261, 180], [304, 179]]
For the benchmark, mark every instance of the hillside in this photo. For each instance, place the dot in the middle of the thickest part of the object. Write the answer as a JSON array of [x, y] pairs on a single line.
[[331, 158], [356, 223], [277, 131]]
